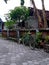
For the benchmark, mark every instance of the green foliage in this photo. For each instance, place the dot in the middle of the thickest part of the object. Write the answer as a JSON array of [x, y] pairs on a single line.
[[38, 37], [26, 38], [9, 24], [19, 13], [47, 39]]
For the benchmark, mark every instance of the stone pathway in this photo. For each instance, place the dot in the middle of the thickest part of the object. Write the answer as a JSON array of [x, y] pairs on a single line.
[[12, 53]]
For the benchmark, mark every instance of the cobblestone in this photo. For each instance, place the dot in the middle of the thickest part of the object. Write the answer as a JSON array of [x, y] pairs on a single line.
[[12, 53]]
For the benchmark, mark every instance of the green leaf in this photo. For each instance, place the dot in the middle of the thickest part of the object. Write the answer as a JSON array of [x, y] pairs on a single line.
[[19, 13]]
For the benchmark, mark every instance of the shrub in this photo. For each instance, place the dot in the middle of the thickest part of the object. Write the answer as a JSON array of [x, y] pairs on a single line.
[[47, 39], [38, 38]]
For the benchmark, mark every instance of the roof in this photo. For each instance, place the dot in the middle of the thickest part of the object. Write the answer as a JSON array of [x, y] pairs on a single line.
[[40, 11]]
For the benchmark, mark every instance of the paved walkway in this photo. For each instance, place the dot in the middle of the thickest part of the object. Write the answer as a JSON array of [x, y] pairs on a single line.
[[12, 53]]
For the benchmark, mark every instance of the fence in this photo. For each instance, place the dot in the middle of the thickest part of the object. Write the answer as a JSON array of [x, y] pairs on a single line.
[[13, 33]]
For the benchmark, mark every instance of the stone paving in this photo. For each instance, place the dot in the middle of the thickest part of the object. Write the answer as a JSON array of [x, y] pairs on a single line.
[[12, 53]]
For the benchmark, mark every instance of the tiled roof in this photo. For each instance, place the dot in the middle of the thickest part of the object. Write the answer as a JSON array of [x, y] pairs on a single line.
[[40, 11]]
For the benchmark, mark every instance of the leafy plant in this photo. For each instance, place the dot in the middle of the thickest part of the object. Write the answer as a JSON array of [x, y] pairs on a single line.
[[38, 37], [26, 38], [19, 13], [9, 24], [47, 39]]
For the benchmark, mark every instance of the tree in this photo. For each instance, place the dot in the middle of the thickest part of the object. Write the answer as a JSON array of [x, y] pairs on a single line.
[[19, 13], [44, 14], [36, 12]]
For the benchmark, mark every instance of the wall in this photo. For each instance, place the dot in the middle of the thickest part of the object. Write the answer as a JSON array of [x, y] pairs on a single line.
[[32, 22]]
